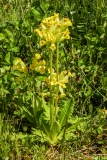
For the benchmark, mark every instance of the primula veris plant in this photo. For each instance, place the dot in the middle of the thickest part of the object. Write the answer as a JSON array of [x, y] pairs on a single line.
[[52, 31], [48, 115]]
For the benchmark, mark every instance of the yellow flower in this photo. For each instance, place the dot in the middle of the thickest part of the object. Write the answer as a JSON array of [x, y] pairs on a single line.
[[14, 67], [32, 67], [67, 22], [61, 83], [52, 70], [62, 95], [38, 32], [53, 30], [64, 71], [53, 82], [42, 70], [38, 66], [42, 26], [56, 97], [42, 43], [69, 74], [42, 94], [53, 47], [19, 65], [43, 62], [62, 78], [25, 70], [37, 56], [47, 80], [18, 60], [67, 36]]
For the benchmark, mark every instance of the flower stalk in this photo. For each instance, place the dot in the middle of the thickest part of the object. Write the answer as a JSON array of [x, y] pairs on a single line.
[[51, 116], [57, 73]]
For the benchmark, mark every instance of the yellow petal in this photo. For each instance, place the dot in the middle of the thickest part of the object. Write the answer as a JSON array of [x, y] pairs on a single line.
[[69, 74], [42, 94], [47, 80], [43, 62], [42, 70], [38, 32], [62, 95], [38, 56], [53, 47], [32, 67], [42, 43], [25, 70]]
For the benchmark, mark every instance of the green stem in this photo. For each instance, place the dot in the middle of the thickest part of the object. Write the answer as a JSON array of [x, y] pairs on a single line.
[[57, 72], [33, 87], [57, 59], [51, 88]]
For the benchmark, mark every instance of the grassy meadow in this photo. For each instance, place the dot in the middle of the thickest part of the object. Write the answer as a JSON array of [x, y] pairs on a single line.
[[53, 80]]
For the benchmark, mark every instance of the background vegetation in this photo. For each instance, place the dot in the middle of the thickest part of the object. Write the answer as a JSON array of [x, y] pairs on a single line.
[[84, 55]]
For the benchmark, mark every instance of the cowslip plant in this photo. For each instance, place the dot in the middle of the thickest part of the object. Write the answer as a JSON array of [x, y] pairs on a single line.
[[52, 31], [50, 118]]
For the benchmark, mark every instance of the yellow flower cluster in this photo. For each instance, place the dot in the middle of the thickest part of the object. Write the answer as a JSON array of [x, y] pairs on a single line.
[[62, 79], [19, 65], [53, 30], [37, 64]]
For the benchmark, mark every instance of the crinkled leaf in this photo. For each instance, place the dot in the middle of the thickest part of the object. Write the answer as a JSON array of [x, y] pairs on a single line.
[[55, 129], [66, 111], [7, 57]]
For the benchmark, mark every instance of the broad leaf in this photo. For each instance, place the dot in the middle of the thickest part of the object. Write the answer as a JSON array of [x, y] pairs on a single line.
[[66, 111], [54, 131]]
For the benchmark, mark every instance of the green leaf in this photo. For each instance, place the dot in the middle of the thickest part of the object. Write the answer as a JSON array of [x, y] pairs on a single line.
[[7, 57], [104, 82], [45, 126], [6, 91], [55, 130], [15, 49], [36, 106], [41, 78], [46, 110], [100, 129], [37, 14], [66, 112], [51, 134], [2, 71], [89, 91], [2, 36], [45, 6], [10, 35], [7, 68], [28, 115]]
